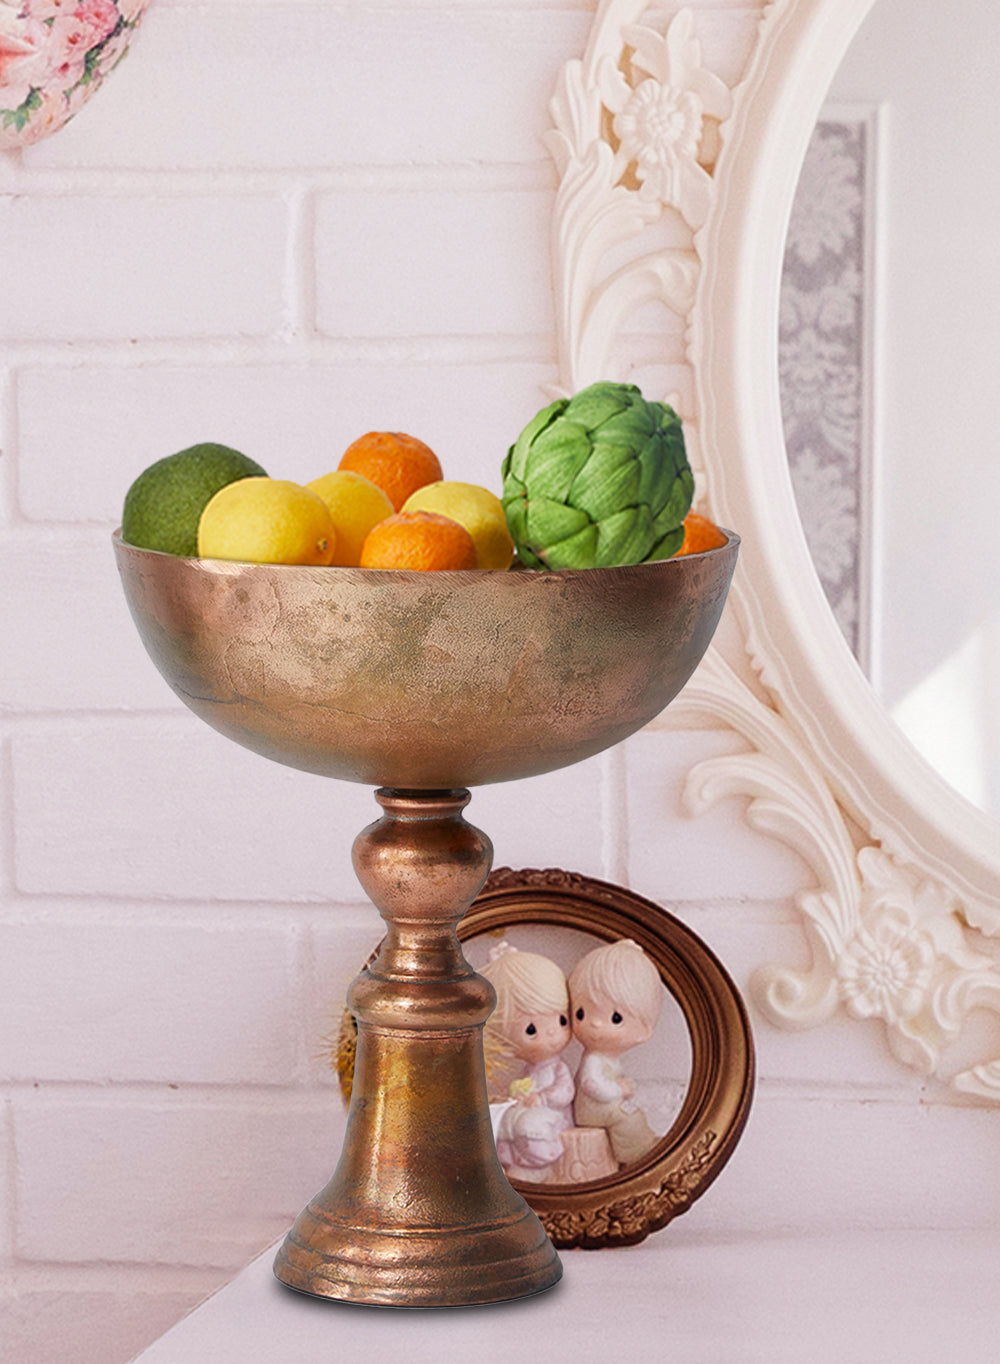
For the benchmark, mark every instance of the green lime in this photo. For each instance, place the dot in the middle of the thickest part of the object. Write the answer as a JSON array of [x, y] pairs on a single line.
[[164, 504]]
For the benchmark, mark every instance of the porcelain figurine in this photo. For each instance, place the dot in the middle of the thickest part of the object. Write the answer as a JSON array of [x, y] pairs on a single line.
[[53, 55], [527, 1032], [616, 997]]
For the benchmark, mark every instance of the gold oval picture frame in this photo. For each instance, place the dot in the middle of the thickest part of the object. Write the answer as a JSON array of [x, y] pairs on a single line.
[[625, 1207]]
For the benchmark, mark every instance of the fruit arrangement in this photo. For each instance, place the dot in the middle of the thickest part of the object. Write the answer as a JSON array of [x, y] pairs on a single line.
[[595, 480]]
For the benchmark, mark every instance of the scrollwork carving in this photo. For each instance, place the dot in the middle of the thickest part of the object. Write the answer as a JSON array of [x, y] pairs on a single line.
[[887, 943], [638, 124], [627, 1220], [633, 138], [548, 878]]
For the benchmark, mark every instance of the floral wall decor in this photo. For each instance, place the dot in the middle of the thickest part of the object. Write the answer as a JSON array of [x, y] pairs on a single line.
[[53, 55]]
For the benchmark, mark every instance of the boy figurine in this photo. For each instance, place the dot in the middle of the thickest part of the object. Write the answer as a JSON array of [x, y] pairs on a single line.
[[616, 997]]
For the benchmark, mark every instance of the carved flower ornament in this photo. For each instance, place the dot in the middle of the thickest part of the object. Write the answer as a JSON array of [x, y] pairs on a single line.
[[658, 127], [659, 120], [886, 969], [909, 964]]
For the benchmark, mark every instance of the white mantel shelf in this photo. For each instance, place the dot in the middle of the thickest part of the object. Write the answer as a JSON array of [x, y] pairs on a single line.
[[854, 1298]]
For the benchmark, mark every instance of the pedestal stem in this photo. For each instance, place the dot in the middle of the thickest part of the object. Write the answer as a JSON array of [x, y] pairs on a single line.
[[419, 1212]]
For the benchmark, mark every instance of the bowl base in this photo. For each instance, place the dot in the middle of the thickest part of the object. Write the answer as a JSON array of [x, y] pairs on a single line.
[[419, 1212], [429, 1267]]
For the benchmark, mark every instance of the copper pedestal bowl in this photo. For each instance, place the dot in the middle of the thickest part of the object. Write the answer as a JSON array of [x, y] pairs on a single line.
[[423, 684]]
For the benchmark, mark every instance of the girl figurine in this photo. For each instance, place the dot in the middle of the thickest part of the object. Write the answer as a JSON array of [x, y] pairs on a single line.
[[616, 998], [530, 1028]]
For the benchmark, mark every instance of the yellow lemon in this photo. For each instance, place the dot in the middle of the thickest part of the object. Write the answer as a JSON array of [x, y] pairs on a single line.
[[356, 505], [267, 521], [477, 509]]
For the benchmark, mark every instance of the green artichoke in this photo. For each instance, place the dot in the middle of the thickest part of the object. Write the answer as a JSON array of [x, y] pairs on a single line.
[[598, 479]]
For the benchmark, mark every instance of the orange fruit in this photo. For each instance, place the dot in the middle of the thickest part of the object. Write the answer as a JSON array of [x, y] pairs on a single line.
[[477, 509], [700, 534], [418, 539], [397, 463]]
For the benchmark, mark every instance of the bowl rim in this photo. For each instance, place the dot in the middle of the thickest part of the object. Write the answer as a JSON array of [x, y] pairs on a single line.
[[515, 571]]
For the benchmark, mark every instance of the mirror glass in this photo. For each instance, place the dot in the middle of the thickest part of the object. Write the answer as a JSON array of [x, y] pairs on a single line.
[[890, 372]]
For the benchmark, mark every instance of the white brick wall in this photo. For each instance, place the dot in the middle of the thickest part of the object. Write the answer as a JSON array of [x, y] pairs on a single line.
[[109, 257], [281, 224], [287, 84], [132, 998], [293, 413], [170, 1177]]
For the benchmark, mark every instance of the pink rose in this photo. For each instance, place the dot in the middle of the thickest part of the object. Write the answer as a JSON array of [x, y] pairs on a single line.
[[16, 39], [69, 44], [24, 61], [12, 51], [100, 16], [73, 35], [49, 9]]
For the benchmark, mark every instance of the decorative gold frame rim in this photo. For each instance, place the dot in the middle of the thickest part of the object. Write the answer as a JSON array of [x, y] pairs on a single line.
[[624, 1209]]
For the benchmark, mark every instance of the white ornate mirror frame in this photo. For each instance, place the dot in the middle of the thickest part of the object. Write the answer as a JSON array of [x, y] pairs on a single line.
[[676, 189]]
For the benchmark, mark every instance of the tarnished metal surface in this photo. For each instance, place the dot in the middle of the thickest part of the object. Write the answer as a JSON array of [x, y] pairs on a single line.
[[425, 680], [419, 1211], [427, 683]]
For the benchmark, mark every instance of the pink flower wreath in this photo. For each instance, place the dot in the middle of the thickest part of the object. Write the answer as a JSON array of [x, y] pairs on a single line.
[[53, 55]]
